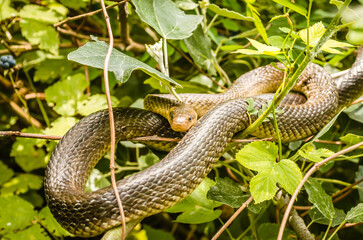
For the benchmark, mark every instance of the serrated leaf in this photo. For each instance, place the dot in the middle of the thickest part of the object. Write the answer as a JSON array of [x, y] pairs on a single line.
[[95, 103], [228, 13], [6, 11], [351, 139], [93, 54], [46, 218], [61, 125], [39, 33], [355, 214], [39, 13], [27, 153], [166, 18], [269, 231], [289, 175], [33, 232], [263, 186], [318, 217], [315, 33], [196, 207], [21, 184], [228, 192], [316, 155], [67, 94], [293, 6], [321, 200], [258, 156], [6, 173], [15, 214], [199, 47]]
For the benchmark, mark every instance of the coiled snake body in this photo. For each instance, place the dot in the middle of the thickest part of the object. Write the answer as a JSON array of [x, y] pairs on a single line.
[[182, 170]]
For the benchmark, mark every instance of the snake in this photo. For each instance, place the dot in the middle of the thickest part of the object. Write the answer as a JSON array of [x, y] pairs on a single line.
[[170, 180]]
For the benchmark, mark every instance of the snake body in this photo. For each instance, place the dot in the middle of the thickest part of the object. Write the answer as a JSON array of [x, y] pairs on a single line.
[[182, 170]]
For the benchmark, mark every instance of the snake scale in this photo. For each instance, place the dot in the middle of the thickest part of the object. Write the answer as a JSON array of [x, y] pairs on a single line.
[[182, 170]]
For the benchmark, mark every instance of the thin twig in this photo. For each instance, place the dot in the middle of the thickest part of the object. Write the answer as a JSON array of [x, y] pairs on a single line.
[[29, 135], [308, 174], [231, 219], [112, 122], [86, 14]]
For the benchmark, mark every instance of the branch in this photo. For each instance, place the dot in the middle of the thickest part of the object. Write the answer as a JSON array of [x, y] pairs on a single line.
[[299, 226]]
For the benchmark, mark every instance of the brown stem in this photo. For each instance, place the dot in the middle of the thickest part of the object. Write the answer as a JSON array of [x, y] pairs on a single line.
[[28, 96], [299, 226], [29, 135]]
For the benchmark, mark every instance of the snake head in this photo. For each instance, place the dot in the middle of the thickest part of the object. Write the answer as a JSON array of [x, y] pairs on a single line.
[[182, 117]]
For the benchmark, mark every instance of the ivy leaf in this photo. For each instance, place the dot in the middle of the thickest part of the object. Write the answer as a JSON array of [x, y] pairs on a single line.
[[258, 156], [261, 49], [270, 231], [67, 94], [196, 207], [289, 175], [39, 13], [351, 139], [61, 125], [228, 13], [199, 47], [355, 215], [6, 173], [166, 18], [48, 221], [6, 11], [293, 6], [39, 33], [318, 217], [15, 214], [321, 200], [21, 184], [263, 186], [316, 155], [33, 232], [93, 54], [228, 192], [95, 103], [27, 153]]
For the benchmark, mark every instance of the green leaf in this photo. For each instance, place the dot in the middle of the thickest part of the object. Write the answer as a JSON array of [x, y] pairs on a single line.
[[96, 181], [259, 25], [263, 186], [39, 13], [269, 231], [51, 69], [15, 214], [199, 47], [28, 155], [33, 232], [321, 200], [289, 175], [355, 112], [39, 33], [6, 173], [355, 215], [74, 4], [293, 6], [93, 54], [47, 220], [196, 207], [228, 13], [261, 49], [166, 18], [6, 11], [67, 94], [147, 160], [258, 156], [61, 125], [95, 103], [228, 192], [359, 176], [316, 155], [157, 234], [21, 184], [351, 139], [318, 217]]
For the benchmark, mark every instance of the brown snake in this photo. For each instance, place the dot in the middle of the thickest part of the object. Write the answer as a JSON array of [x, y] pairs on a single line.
[[182, 170]]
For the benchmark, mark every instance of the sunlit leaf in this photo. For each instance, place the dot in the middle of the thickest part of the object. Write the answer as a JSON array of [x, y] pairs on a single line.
[[6, 11], [293, 6], [95, 103], [39, 13], [60, 126], [228, 13], [261, 49], [315, 155], [263, 186], [47, 220], [33, 232], [6, 173], [351, 139], [21, 184], [289, 175]]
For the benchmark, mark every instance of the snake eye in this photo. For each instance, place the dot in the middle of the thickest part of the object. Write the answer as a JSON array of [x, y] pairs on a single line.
[[171, 117], [190, 119]]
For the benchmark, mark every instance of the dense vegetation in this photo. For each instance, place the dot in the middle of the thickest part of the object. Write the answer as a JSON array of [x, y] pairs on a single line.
[[52, 53]]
